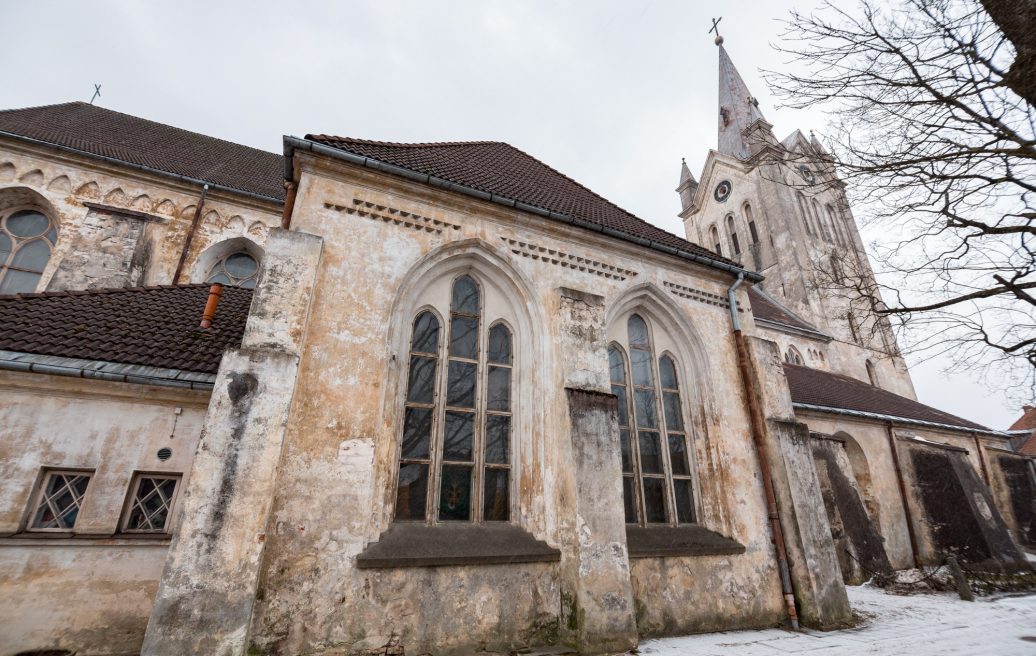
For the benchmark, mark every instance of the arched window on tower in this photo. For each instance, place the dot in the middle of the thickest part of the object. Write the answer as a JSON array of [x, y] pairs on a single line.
[[27, 238], [753, 232], [455, 451], [717, 247], [735, 244], [854, 327], [657, 473], [872, 374], [825, 232], [832, 217], [804, 211]]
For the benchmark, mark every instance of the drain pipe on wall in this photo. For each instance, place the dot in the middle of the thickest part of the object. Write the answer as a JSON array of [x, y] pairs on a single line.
[[190, 234], [756, 416]]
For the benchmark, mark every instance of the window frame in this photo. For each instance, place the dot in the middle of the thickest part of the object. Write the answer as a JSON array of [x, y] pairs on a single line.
[[127, 506], [221, 264], [735, 243], [688, 432], [436, 458], [5, 265], [40, 491]]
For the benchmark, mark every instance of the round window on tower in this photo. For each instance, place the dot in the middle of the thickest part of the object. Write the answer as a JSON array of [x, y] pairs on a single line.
[[807, 174], [723, 190]]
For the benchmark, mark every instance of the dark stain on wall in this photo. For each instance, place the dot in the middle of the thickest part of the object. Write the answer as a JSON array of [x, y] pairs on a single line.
[[1022, 494], [240, 390], [848, 518]]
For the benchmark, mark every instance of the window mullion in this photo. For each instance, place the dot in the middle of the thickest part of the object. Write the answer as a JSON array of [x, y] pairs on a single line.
[[634, 438], [438, 428], [667, 465]]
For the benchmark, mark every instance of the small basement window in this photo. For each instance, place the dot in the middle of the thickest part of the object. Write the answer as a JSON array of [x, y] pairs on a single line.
[[59, 500], [150, 506]]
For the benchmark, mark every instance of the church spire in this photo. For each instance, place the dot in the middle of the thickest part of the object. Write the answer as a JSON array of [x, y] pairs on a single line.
[[738, 108]]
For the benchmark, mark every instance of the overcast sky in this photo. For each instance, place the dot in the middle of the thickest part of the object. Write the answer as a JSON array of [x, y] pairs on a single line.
[[611, 93]]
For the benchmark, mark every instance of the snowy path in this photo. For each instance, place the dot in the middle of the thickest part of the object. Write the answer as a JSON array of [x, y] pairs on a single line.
[[918, 625]]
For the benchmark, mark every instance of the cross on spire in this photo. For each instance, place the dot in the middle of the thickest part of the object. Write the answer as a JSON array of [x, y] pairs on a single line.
[[715, 28], [97, 93]]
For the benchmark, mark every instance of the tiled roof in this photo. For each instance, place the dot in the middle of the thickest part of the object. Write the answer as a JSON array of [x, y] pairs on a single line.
[[765, 307], [822, 388], [498, 168], [1027, 420], [106, 133], [149, 326]]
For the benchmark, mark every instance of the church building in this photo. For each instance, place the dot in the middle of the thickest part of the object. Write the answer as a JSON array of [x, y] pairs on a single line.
[[436, 398]]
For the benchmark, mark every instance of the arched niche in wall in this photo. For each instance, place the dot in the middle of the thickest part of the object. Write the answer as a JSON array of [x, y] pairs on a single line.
[[862, 474], [28, 235], [231, 262]]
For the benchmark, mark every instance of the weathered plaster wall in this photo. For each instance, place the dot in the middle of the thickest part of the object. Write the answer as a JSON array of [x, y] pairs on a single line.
[[1014, 488], [89, 591], [95, 249], [385, 242]]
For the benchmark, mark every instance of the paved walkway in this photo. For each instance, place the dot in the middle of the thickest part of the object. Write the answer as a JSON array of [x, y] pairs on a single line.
[[917, 625]]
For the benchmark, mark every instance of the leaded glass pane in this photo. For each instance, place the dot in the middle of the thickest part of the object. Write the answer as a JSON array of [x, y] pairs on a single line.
[[616, 367], [650, 452], [221, 278], [421, 385], [654, 500], [624, 448], [646, 408], [629, 499], [61, 500], [247, 284], [151, 505], [458, 439], [638, 332], [499, 344], [667, 372], [241, 265], [465, 296], [455, 494], [678, 455], [32, 256], [684, 504], [5, 248], [496, 502], [498, 439], [499, 389], [620, 394], [640, 361], [417, 433], [426, 334], [27, 223], [19, 282], [411, 491], [464, 337], [460, 384], [673, 416]]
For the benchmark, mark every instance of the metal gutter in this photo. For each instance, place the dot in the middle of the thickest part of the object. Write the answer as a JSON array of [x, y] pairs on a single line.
[[293, 143], [100, 370], [896, 420], [140, 167]]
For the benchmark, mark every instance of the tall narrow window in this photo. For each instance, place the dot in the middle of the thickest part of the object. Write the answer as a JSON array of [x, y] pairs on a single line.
[[820, 220], [27, 238], [872, 374], [732, 231], [717, 247], [804, 211], [832, 218], [656, 466], [752, 231], [455, 453], [854, 328]]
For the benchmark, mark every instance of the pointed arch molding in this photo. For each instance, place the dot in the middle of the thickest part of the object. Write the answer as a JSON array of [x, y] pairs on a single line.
[[497, 276]]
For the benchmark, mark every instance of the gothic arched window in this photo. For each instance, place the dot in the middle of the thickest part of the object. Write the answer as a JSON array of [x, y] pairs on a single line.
[[735, 245], [657, 480], [239, 269], [832, 218], [872, 373], [455, 451], [854, 328], [752, 231], [792, 356], [825, 232], [27, 238], [804, 211], [717, 247]]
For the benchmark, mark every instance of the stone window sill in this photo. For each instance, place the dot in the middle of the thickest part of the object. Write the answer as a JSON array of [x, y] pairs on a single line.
[[669, 541], [420, 545], [67, 538]]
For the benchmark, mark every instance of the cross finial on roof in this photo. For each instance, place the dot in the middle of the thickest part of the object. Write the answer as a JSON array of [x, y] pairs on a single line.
[[97, 93], [715, 28]]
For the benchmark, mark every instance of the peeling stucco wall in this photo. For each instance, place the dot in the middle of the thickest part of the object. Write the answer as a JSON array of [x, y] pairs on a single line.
[[90, 591]]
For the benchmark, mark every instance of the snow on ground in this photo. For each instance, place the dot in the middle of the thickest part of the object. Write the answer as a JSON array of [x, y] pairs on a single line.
[[915, 625]]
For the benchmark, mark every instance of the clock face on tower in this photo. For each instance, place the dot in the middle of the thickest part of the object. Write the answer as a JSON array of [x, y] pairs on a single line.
[[806, 174], [723, 190]]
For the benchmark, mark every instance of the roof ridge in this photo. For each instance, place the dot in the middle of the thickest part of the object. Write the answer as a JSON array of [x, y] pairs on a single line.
[[400, 144], [100, 291], [48, 106]]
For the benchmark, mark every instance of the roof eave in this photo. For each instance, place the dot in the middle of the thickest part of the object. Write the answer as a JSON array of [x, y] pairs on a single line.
[[291, 144], [906, 421]]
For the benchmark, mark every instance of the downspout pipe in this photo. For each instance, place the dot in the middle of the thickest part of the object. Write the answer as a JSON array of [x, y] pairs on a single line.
[[758, 436], [891, 430], [294, 143], [190, 234]]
